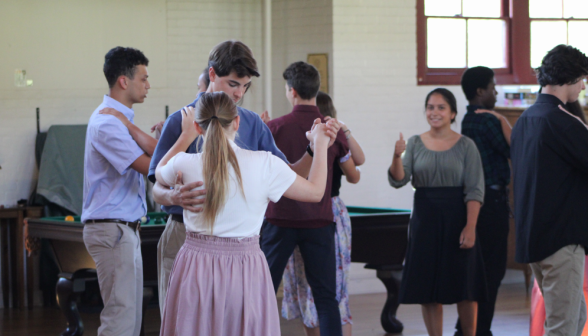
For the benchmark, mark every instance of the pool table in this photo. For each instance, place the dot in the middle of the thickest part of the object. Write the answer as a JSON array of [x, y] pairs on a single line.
[[379, 239], [76, 266]]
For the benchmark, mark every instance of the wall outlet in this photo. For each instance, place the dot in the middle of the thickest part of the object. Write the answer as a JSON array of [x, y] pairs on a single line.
[[20, 78]]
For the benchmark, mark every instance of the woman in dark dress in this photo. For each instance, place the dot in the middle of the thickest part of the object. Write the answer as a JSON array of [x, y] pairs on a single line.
[[443, 264]]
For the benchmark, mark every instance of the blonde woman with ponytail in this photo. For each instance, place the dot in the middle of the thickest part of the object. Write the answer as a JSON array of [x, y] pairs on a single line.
[[220, 282]]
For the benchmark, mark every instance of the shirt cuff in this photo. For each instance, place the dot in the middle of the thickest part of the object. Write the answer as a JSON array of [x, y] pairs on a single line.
[[345, 158]]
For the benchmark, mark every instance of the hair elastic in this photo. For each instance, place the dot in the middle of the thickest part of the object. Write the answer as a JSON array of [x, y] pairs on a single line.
[[214, 117]]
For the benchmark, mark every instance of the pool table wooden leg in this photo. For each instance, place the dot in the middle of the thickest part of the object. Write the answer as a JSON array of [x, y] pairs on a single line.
[[66, 298], [391, 280]]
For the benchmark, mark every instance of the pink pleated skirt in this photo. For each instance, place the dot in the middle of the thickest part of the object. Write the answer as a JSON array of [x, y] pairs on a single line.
[[220, 286]]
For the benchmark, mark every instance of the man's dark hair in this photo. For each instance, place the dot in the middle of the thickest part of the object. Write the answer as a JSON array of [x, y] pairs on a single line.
[[231, 56], [475, 78], [562, 65], [121, 61], [448, 97], [304, 78], [206, 77]]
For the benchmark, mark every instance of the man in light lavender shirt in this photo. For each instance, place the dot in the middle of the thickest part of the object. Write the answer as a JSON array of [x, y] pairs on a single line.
[[114, 194]]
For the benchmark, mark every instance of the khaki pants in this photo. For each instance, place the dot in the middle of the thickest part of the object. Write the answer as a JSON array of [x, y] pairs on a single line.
[[169, 245], [116, 250], [561, 278]]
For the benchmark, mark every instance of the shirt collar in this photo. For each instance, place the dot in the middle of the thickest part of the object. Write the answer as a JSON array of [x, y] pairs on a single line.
[[545, 98], [473, 108], [306, 108], [115, 104], [233, 144]]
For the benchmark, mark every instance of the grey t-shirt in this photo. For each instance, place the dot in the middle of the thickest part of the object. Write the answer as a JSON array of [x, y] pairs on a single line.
[[458, 166]]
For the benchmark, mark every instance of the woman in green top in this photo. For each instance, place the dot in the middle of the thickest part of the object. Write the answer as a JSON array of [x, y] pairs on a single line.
[[443, 263]]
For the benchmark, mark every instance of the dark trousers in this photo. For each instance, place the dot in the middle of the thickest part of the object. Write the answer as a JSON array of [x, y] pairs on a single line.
[[317, 247], [492, 235]]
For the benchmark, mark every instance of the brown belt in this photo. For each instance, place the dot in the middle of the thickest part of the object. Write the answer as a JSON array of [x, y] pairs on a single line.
[[178, 218], [135, 225]]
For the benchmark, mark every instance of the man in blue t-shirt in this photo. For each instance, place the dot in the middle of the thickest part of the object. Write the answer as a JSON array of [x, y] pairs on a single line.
[[231, 66]]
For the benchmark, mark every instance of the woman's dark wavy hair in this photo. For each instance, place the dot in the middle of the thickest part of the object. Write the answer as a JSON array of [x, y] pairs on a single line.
[[562, 65], [447, 96]]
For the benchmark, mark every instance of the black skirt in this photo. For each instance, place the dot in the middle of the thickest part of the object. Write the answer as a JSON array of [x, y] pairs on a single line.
[[436, 270]]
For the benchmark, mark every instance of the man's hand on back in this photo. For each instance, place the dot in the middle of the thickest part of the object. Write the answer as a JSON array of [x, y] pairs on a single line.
[[186, 195]]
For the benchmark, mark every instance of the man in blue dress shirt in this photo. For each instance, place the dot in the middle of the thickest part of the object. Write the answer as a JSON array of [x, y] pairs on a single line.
[[114, 194], [231, 66]]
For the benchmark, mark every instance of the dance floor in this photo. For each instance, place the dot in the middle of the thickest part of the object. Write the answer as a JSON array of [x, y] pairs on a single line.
[[512, 318]]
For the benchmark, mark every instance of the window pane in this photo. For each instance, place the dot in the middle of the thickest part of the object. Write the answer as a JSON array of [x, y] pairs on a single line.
[[444, 52], [487, 43], [442, 7], [576, 8], [544, 36], [578, 35], [545, 8], [486, 8]]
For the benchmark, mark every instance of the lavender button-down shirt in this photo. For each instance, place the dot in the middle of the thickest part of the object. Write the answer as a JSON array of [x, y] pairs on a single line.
[[112, 189]]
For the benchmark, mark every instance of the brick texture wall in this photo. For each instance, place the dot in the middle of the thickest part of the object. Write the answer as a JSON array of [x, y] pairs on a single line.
[[299, 28], [65, 63]]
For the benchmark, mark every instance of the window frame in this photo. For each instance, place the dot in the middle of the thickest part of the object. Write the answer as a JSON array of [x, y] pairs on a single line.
[[518, 72]]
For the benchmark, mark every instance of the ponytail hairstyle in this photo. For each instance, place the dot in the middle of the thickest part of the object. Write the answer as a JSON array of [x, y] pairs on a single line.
[[214, 113]]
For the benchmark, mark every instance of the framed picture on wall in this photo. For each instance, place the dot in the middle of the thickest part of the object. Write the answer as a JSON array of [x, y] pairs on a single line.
[[321, 62]]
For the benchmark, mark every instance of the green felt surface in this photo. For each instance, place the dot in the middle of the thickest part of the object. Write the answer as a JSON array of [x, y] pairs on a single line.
[[358, 211], [155, 218], [158, 218]]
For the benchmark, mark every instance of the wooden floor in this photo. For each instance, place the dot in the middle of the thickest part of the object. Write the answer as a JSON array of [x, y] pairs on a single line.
[[512, 318]]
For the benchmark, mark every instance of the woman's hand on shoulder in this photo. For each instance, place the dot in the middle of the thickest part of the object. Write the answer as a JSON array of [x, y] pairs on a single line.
[[117, 114], [188, 126], [339, 122], [494, 113]]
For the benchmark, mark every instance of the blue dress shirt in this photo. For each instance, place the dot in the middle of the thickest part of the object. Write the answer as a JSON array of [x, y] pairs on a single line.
[[253, 134], [112, 189]]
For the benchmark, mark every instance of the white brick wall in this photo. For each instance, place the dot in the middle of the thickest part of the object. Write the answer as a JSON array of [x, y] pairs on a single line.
[[375, 90], [62, 48], [299, 28]]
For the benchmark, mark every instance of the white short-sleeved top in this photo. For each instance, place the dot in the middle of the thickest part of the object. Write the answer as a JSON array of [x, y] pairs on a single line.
[[265, 178]]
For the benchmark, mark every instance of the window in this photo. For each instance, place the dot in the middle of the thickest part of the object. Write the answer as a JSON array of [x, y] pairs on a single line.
[[516, 34], [556, 22]]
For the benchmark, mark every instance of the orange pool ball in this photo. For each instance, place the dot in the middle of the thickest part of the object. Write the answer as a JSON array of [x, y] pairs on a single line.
[[69, 218]]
